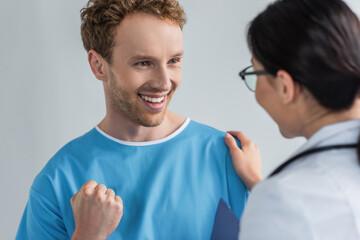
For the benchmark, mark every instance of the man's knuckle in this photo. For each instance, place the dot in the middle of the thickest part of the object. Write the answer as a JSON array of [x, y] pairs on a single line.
[[109, 202], [100, 197], [118, 207], [87, 191]]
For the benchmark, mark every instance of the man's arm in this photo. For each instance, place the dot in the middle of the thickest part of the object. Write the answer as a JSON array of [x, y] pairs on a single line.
[[97, 213], [41, 220]]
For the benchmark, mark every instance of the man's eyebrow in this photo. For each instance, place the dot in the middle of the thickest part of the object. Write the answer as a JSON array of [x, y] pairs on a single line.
[[179, 54], [141, 57]]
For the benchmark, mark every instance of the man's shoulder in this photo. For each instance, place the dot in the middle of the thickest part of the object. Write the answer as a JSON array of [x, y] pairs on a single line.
[[199, 134], [78, 144], [66, 155], [205, 130], [65, 162]]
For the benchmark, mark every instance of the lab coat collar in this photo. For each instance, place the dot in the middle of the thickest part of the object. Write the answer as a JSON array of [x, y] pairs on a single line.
[[346, 132]]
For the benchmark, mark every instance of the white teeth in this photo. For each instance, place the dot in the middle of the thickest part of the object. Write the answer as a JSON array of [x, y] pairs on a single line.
[[153, 100]]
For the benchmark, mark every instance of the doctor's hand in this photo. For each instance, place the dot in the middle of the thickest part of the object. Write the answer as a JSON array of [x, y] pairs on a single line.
[[247, 160], [97, 212]]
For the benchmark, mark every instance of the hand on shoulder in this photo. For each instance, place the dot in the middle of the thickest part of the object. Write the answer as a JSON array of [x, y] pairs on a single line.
[[247, 160]]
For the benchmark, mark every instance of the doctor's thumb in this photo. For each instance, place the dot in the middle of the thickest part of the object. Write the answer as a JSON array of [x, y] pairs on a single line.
[[232, 144]]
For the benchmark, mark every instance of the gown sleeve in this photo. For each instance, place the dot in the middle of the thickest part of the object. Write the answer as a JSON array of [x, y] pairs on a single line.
[[41, 219]]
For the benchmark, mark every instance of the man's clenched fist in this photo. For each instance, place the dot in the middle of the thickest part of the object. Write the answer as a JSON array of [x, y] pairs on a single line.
[[97, 212]]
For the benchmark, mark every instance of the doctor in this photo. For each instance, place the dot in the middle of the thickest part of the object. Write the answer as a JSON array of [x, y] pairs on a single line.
[[306, 74]]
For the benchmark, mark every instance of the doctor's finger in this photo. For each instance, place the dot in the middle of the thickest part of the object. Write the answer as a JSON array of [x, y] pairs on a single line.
[[231, 143], [244, 140]]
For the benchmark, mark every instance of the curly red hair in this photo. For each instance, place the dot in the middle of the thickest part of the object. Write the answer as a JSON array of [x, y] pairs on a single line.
[[100, 18]]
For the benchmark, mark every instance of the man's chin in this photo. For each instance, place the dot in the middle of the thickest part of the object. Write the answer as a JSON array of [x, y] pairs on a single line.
[[151, 124], [152, 121]]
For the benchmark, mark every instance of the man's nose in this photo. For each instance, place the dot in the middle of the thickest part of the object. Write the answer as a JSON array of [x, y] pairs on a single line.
[[162, 79]]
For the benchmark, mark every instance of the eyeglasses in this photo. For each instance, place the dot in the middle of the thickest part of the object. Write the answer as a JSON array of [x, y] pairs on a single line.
[[249, 75]]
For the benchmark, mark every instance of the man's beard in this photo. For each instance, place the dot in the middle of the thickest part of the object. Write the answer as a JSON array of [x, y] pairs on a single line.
[[130, 106]]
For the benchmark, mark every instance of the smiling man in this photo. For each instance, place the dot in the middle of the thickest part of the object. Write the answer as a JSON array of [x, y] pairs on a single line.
[[161, 174]]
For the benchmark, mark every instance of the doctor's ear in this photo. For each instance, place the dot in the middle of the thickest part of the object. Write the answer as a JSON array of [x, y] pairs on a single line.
[[98, 65], [287, 87]]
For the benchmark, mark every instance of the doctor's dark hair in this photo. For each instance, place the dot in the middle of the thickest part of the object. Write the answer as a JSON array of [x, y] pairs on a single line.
[[317, 42]]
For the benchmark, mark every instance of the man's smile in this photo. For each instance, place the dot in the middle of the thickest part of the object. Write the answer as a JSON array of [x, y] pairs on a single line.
[[152, 99], [154, 103]]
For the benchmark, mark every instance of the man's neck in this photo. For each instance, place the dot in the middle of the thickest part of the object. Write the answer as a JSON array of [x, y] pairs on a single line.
[[122, 128]]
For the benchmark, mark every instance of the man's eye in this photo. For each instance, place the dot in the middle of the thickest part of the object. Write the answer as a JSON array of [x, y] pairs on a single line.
[[174, 60], [143, 64]]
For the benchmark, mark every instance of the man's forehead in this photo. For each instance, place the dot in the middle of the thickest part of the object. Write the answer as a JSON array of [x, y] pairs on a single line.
[[146, 47], [144, 24], [148, 35]]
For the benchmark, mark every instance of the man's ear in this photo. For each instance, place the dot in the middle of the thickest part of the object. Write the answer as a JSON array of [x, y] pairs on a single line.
[[98, 65], [287, 88]]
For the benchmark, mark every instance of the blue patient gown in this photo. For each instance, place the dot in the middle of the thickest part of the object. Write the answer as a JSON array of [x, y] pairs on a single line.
[[170, 187]]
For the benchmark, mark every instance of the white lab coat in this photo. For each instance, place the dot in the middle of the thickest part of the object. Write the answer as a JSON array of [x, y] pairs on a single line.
[[315, 197]]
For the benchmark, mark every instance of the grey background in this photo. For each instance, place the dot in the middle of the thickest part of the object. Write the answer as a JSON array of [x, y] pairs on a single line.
[[49, 96]]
